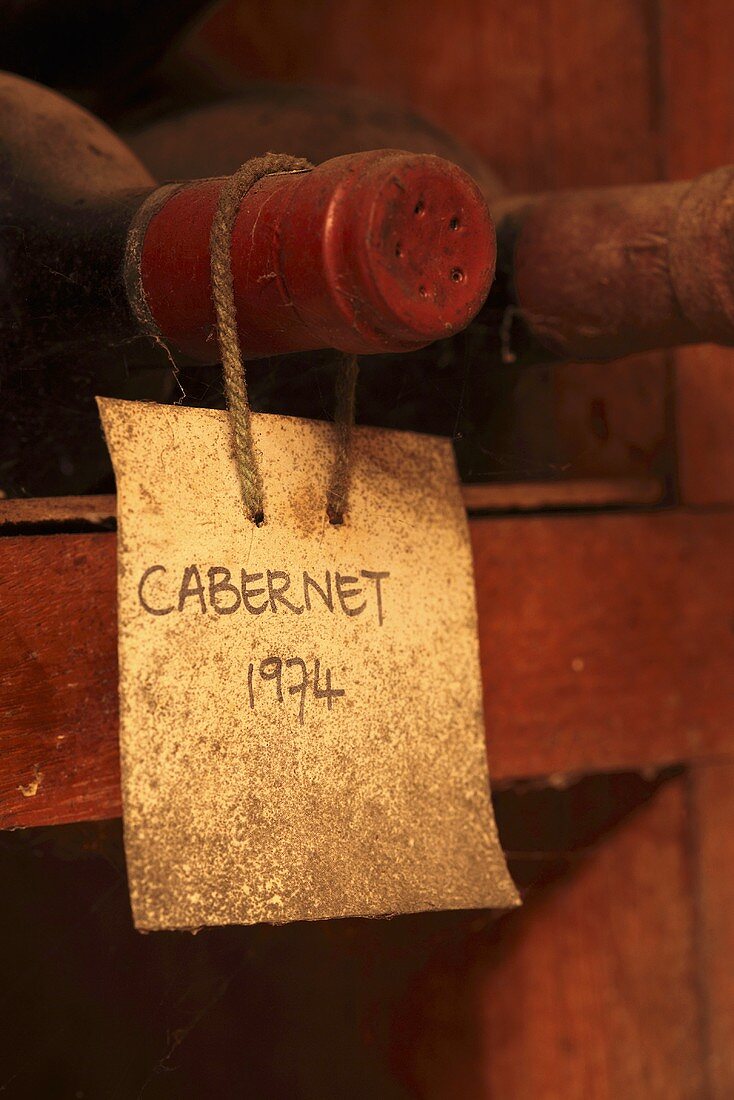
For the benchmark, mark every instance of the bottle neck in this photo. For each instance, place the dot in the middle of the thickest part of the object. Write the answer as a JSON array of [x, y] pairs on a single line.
[[608, 272]]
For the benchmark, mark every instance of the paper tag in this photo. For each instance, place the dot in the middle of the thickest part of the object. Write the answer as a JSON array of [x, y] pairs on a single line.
[[300, 704]]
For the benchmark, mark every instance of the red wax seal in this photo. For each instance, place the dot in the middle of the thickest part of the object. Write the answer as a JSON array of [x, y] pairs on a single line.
[[373, 252]]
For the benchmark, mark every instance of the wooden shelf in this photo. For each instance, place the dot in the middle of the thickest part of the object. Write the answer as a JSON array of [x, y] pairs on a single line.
[[521, 496], [606, 641]]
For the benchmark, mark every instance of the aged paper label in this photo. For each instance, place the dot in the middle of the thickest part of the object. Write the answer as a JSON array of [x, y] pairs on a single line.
[[301, 715]]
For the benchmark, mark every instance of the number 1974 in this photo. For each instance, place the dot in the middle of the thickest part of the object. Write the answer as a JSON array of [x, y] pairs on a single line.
[[293, 677]]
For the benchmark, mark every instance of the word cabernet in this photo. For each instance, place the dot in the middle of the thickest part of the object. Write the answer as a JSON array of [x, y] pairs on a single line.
[[271, 591]]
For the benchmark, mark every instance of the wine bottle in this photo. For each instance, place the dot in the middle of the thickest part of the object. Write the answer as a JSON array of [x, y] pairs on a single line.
[[375, 252], [599, 274], [580, 275], [593, 274]]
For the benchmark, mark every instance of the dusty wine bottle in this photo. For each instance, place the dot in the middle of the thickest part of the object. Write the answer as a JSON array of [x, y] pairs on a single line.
[[581, 275], [375, 252], [379, 251], [603, 273]]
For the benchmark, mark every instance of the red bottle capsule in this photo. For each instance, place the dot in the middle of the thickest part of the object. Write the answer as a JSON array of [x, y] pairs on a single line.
[[373, 252]]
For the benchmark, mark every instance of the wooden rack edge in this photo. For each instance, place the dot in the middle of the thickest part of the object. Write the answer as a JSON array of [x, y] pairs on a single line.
[[606, 644], [521, 496]]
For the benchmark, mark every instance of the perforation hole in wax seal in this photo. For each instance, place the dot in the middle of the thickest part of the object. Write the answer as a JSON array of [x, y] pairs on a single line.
[[419, 208], [457, 275], [454, 223]]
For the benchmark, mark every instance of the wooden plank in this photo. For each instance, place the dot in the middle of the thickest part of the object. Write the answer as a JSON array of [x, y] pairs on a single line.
[[606, 641], [705, 421], [697, 41], [58, 680], [520, 83], [592, 989], [606, 644], [523, 496], [697, 45], [32, 511], [712, 806], [533, 496]]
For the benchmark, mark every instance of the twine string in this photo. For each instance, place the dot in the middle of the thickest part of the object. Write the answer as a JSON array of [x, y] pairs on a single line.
[[337, 495], [235, 381]]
